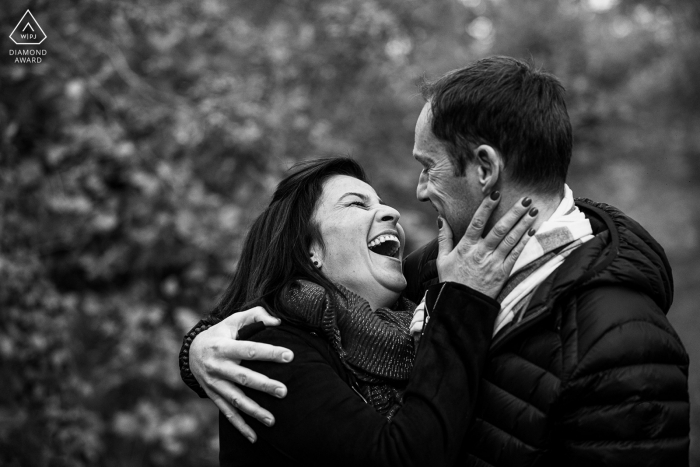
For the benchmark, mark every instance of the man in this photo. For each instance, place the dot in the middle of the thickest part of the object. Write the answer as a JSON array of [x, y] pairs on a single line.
[[584, 367]]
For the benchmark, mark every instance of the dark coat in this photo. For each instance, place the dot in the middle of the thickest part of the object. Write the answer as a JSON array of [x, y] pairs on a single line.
[[323, 421], [594, 374]]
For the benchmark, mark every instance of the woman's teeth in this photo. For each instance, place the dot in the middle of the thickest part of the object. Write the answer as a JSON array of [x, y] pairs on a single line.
[[386, 245]]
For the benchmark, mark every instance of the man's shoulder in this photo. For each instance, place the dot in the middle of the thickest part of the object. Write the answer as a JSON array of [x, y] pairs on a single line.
[[607, 306], [616, 325]]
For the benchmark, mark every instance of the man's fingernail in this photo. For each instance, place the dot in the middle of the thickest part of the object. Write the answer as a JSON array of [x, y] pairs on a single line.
[[439, 222], [268, 421], [287, 356], [533, 212], [280, 392], [495, 195], [527, 202], [531, 232], [251, 438]]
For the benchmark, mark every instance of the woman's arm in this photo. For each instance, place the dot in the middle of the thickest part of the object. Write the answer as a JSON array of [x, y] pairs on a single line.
[[322, 420]]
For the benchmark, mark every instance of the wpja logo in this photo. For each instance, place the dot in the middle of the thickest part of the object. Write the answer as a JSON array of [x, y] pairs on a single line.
[[28, 32]]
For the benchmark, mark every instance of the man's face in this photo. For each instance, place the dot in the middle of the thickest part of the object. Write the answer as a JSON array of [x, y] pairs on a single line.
[[455, 198]]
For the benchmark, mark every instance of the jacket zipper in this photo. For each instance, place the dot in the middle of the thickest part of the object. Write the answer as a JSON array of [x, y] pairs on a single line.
[[359, 394], [534, 318]]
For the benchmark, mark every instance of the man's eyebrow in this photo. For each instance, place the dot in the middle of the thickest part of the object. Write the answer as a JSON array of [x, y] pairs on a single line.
[[362, 196], [422, 159]]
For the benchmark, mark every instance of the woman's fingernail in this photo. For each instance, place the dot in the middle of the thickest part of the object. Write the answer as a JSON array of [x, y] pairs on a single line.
[[527, 202], [280, 392], [439, 222], [251, 439], [531, 232], [287, 356], [533, 212], [268, 421], [495, 195]]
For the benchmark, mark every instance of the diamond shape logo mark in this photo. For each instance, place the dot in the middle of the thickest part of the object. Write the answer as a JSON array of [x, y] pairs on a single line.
[[28, 31]]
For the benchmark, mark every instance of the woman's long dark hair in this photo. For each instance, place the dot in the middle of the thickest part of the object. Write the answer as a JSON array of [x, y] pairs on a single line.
[[276, 249]]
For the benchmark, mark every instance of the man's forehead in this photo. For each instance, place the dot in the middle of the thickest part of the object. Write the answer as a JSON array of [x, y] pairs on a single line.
[[424, 115], [426, 147], [423, 133]]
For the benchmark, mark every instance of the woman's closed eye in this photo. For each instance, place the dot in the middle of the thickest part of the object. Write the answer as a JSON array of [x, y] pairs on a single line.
[[361, 204]]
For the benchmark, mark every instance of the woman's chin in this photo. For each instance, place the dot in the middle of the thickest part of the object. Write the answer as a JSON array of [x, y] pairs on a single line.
[[396, 284]]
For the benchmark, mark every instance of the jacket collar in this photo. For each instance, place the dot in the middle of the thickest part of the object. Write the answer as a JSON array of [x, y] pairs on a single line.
[[621, 252]]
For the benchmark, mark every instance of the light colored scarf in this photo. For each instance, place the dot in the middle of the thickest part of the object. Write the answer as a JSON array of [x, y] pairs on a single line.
[[557, 237]]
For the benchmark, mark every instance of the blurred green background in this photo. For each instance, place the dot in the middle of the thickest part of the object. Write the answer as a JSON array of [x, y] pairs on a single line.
[[135, 156]]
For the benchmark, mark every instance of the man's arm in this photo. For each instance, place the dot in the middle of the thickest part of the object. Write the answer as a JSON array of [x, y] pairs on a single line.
[[184, 356], [626, 400], [210, 364]]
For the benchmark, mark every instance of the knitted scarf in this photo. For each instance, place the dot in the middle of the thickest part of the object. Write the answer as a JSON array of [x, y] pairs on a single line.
[[375, 346]]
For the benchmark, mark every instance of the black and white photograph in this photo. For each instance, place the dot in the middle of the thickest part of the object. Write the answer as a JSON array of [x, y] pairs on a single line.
[[350, 233]]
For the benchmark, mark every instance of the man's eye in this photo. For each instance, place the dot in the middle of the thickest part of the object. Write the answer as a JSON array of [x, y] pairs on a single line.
[[358, 203]]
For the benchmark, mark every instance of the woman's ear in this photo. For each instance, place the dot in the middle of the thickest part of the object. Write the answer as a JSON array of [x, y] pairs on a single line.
[[316, 255], [489, 166]]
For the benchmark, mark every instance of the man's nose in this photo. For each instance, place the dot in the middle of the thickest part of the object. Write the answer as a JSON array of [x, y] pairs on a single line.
[[422, 188]]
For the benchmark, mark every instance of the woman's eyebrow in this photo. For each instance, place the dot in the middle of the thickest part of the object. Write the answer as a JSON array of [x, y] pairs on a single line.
[[363, 197]]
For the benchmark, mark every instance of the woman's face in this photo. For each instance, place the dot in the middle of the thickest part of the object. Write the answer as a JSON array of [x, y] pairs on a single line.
[[363, 241]]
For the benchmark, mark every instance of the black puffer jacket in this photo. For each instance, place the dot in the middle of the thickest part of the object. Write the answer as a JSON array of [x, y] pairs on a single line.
[[593, 375]]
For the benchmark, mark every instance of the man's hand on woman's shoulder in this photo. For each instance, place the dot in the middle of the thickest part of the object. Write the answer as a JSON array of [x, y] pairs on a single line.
[[215, 356]]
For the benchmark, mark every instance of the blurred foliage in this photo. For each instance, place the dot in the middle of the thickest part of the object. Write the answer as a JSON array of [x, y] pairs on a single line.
[[134, 157]]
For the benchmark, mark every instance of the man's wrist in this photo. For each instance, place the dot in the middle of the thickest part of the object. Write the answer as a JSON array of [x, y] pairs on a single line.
[[184, 357]]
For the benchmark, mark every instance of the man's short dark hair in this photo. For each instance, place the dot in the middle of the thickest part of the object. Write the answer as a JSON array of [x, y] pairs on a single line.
[[507, 104]]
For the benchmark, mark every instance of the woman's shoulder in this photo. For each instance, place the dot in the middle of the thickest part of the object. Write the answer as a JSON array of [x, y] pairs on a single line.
[[306, 345], [274, 335]]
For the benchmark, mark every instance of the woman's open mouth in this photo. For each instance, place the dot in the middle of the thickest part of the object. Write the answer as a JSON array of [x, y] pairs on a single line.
[[386, 244]]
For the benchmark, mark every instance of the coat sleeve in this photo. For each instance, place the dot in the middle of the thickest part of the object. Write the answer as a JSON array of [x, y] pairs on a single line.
[[625, 402], [420, 271], [323, 421]]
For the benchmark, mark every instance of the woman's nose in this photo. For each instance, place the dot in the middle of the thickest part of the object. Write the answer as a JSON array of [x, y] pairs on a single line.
[[389, 214]]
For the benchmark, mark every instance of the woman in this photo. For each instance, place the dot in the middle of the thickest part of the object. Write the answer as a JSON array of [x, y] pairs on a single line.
[[325, 258]]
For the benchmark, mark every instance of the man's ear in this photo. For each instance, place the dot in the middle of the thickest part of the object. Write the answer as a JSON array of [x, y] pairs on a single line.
[[489, 166]]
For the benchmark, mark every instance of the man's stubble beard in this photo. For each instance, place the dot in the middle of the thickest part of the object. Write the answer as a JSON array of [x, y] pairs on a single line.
[[460, 222]]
